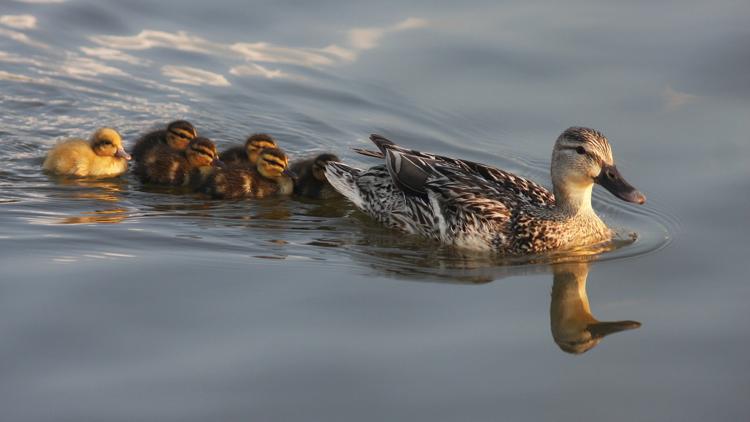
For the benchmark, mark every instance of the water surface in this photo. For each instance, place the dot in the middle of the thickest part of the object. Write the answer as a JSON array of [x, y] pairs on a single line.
[[122, 302]]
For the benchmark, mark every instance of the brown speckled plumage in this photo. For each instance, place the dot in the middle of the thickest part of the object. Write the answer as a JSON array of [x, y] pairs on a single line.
[[163, 166], [159, 138], [239, 154], [476, 206], [245, 181]]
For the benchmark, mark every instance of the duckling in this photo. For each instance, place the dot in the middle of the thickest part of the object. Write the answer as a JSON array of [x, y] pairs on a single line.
[[311, 179], [177, 135], [574, 328], [100, 156], [249, 153], [269, 177], [162, 165]]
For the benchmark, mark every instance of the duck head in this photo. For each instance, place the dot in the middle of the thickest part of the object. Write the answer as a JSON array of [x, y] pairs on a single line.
[[319, 166], [582, 157], [256, 143], [201, 152], [180, 133], [107, 142], [273, 164], [574, 327]]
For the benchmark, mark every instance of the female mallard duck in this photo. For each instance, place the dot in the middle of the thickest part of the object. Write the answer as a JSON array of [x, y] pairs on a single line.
[[269, 177], [164, 166], [177, 136], [476, 206], [311, 180], [249, 153], [100, 156]]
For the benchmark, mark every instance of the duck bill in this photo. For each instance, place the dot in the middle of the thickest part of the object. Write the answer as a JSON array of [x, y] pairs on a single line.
[[289, 173], [611, 179], [122, 154], [218, 163], [603, 329]]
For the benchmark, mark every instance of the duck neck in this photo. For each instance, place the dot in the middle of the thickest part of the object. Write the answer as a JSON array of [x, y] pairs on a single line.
[[573, 201]]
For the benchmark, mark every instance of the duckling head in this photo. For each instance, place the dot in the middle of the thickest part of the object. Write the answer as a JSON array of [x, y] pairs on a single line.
[[273, 163], [180, 133], [582, 157], [107, 142], [319, 166], [257, 142], [201, 152]]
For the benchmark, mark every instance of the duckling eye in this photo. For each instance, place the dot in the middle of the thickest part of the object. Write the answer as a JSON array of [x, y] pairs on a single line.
[[581, 150]]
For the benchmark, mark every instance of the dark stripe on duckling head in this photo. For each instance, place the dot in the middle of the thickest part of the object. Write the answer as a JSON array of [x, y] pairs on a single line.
[[203, 146], [182, 125], [260, 140], [274, 152]]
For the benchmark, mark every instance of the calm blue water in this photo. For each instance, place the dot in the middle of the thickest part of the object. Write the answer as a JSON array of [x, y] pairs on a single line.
[[125, 303]]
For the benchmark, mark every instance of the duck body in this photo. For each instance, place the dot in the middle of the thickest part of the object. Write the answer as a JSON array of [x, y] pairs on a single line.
[[162, 165], [237, 182], [311, 181], [475, 206], [101, 156], [177, 135], [269, 177]]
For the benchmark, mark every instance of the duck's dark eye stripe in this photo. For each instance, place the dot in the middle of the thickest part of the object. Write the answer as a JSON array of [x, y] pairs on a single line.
[[275, 162], [180, 135], [104, 143]]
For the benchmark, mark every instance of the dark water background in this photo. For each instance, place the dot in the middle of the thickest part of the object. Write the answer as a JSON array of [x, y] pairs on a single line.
[[124, 303]]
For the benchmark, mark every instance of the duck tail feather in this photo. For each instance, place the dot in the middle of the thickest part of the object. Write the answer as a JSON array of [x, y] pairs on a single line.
[[343, 178]]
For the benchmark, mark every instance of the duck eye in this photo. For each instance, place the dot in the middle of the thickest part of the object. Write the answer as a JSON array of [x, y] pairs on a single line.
[[581, 150]]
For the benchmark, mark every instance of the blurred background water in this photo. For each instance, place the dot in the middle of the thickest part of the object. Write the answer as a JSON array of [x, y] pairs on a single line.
[[125, 303]]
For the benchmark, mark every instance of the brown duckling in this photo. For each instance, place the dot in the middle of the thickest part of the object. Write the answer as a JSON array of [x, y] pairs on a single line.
[[249, 153], [162, 165], [177, 136], [269, 177], [101, 156], [311, 180]]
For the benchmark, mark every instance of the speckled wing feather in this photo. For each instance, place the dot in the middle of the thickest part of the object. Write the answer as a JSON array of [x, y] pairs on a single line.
[[519, 187]]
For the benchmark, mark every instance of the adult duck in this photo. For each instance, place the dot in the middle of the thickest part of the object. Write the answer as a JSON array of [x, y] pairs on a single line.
[[476, 206]]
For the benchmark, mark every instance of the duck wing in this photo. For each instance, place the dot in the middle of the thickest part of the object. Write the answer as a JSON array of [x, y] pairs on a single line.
[[410, 170]]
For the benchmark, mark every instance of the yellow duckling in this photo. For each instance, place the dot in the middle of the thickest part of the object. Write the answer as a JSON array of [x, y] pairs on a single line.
[[177, 135], [249, 153], [311, 180], [269, 177], [164, 166], [101, 156]]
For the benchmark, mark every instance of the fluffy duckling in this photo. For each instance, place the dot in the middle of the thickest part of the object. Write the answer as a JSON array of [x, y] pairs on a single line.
[[269, 177], [100, 156], [249, 153], [311, 180], [164, 166], [177, 135]]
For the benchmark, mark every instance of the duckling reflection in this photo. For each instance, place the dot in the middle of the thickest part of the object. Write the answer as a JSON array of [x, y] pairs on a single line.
[[574, 328]]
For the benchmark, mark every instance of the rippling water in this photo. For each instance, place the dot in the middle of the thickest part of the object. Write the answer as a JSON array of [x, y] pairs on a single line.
[[122, 302]]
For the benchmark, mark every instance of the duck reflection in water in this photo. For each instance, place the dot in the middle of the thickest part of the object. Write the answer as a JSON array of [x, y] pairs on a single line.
[[574, 328]]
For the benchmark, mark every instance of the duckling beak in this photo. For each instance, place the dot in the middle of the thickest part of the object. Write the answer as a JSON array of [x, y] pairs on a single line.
[[122, 154], [289, 173], [602, 329], [611, 179], [218, 163]]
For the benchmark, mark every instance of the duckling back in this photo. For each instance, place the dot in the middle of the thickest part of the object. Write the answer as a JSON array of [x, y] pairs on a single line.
[[75, 157], [238, 182], [148, 142], [163, 166]]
